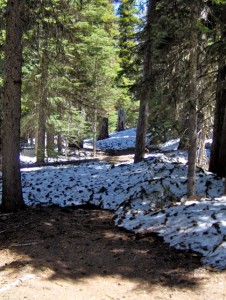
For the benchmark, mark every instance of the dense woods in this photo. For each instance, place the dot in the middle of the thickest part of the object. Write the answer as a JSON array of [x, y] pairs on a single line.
[[76, 69]]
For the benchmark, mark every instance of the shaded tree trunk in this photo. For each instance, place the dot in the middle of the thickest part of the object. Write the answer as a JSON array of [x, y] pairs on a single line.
[[222, 151], [146, 86], [95, 131], [59, 143], [1, 101], [193, 101], [201, 159], [103, 129], [12, 198], [121, 125], [50, 142], [43, 94], [217, 157], [216, 165], [31, 139]]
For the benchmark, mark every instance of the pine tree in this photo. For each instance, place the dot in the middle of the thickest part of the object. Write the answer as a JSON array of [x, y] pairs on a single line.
[[193, 100], [128, 21], [146, 86], [218, 153], [81, 64], [12, 198]]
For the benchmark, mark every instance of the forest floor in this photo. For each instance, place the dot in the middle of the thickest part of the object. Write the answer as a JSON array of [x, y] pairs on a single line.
[[58, 253], [77, 253]]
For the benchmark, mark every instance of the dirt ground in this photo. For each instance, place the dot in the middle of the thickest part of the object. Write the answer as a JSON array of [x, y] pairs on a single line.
[[67, 253]]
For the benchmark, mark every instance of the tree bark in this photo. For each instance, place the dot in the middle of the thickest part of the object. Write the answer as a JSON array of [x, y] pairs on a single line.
[[1, 101], [59, 143], [215, 164], [95, 131], [121, 125], [146, 86], [12, 198], [217, 161], [50, 142], [193, 101], [103, 134], [201, 159], [43, 94], [222, 151]]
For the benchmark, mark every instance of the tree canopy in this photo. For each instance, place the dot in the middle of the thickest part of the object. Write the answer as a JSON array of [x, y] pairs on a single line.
[[85, 61]]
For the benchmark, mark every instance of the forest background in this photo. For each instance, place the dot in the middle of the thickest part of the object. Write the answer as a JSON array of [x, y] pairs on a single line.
[[73, 69]]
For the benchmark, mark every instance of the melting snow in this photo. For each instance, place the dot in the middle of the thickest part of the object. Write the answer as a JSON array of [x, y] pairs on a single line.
[[145, 197]]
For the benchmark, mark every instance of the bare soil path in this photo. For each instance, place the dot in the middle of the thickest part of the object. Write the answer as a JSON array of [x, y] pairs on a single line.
[[64, 253]]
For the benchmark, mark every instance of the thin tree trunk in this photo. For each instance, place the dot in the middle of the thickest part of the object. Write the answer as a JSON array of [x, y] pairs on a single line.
[[146, 87], [95, 110], [59, 143], [40, 136], [66, 150], [201, 159], [41, 128], [95, 131], [193, 101], [12, 198], [31, 138]]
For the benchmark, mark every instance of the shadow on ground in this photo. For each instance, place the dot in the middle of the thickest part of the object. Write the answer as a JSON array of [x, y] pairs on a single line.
[[80, 243]]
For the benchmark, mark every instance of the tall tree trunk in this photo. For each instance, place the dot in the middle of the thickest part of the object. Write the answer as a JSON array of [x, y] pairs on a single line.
[[103, 134], [222, 151], [217, 162], [146, 86], [12, 198], [1, 101], [95, 131], [201, 159], [43, 94], [193, 101], [121, 124]]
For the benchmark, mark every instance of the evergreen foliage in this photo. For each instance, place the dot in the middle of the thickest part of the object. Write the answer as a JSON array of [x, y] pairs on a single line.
[[128, 24], [82, 62], [170, 81]]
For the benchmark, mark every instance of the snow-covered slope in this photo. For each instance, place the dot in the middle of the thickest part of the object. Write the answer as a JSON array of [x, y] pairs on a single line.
[[145, 197]]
